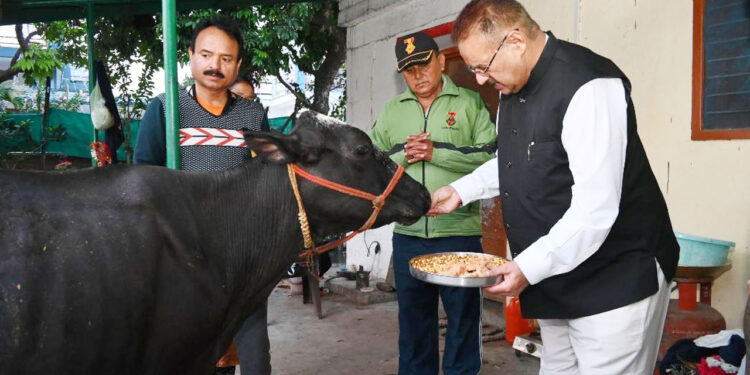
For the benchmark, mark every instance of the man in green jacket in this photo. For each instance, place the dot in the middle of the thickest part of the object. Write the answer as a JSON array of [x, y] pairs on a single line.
[[439, 132]]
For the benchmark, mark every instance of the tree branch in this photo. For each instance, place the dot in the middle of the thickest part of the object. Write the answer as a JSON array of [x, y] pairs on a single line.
[[300, 96], [32, 34], [334, 57], [19, 34], [7, 74], [23, 46], [321, 19]]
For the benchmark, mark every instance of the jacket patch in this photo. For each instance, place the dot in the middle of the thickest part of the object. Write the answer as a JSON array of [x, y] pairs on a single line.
[[451, 119]]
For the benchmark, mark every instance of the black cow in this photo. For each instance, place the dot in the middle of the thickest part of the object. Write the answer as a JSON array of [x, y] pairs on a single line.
[[146, 270]]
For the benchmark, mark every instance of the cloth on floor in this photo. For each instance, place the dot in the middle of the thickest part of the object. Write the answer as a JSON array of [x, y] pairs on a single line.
[[682, 368], [734, 351], [714, 365], [717, 361], [684, 350], [727, 344], [718, 339]]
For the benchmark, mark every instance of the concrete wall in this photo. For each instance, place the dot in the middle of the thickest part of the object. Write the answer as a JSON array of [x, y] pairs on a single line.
[[706, 183]]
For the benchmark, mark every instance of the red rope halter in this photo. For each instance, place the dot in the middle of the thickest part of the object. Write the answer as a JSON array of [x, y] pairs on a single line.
[[377, 204]]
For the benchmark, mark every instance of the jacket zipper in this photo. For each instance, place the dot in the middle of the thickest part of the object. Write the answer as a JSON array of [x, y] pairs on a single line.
[[424, 129]]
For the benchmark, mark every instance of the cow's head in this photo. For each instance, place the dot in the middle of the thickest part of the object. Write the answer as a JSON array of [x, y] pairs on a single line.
[[328, 148]]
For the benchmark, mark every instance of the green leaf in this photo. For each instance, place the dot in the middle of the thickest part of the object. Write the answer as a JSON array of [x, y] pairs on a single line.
[[275, 36]]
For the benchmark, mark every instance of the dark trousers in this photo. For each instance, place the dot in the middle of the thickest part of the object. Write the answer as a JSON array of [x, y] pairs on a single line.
[[253, 348], [418, 312]]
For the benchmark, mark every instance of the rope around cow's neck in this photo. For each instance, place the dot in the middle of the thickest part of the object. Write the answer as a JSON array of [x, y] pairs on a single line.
[[377, 205], [304, 224]]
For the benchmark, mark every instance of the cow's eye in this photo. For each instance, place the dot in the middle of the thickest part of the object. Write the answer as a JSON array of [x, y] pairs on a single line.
[[362, 150]]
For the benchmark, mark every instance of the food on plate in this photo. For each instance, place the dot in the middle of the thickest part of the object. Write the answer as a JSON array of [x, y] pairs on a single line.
[[464, 265]]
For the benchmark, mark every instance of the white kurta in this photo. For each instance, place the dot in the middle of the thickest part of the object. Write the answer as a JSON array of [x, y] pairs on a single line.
[[594, 135]]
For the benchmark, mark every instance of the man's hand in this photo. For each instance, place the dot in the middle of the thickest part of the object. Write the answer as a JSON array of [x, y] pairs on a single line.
[[444, 201], [513, 282], [418, 147]]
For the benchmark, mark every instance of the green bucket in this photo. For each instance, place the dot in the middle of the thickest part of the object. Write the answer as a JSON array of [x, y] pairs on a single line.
[[696, 251]]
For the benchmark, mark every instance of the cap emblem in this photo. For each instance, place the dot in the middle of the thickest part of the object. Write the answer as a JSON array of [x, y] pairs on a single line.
[[410, 47]]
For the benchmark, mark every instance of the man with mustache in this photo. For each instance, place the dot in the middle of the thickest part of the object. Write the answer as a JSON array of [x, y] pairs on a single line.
[[211, 119], [439, 132]]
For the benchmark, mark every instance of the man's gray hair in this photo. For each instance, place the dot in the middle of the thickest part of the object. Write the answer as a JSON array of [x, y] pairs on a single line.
[[491, 17]]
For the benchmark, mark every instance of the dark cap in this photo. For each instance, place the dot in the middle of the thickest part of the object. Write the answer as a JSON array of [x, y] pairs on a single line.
[[416, 48]]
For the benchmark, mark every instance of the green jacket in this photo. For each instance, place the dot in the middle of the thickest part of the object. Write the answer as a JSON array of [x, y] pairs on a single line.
[[463, 137]]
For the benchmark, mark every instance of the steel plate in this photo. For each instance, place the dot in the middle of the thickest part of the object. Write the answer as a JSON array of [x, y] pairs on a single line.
[[462, 282]]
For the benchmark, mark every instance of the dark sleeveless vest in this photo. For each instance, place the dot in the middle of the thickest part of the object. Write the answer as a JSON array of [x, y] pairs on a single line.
[[535, 188], [209, 142]]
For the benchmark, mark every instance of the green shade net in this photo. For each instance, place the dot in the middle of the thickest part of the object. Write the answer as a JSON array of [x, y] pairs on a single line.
[[278, 122], [78, 128]]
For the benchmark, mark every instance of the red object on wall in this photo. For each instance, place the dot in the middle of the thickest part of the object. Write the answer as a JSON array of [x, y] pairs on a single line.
[[515, 324], [439, 30]]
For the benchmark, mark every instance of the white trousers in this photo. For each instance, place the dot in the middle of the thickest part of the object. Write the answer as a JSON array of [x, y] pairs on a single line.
[[616, 342]]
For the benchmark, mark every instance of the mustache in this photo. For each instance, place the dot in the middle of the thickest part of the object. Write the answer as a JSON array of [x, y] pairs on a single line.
[[211, 72]]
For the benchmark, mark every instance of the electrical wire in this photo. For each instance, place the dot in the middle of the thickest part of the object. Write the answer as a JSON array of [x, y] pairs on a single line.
[[376, 250], [373, 243]]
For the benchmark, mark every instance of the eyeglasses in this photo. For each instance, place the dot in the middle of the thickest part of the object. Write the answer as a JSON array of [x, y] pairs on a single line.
[[478, 69]]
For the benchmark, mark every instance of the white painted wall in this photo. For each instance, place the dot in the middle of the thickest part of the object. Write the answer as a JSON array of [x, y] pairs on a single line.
[[706, 183]]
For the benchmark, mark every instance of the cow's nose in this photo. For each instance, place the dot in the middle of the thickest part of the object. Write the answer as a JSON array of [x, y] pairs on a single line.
[[424, 201], [417, 207]]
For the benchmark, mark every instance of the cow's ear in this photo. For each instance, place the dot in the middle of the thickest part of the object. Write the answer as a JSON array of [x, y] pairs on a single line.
[[278, 148], [272, 146]]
